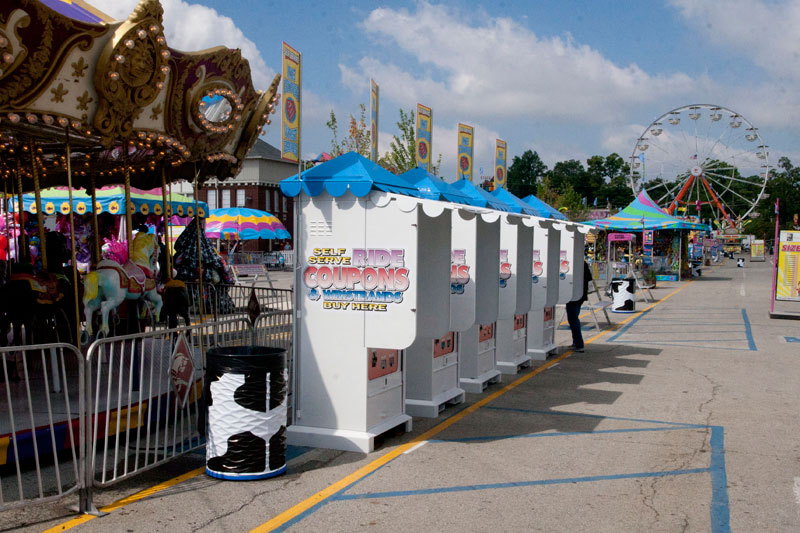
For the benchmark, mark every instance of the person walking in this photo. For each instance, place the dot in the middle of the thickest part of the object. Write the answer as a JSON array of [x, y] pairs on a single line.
[[574, 311]]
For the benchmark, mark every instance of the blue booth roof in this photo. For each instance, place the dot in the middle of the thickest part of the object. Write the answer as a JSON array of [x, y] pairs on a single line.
[[349, 171], [518, 206], [479, 197], [434, 188], [549, 212]]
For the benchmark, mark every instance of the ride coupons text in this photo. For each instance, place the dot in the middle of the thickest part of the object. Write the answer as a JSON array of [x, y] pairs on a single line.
[[459, 271], [363, 279]]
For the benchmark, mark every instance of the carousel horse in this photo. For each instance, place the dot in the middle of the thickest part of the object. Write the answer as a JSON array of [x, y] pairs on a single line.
[[43, 303], [111, 283]]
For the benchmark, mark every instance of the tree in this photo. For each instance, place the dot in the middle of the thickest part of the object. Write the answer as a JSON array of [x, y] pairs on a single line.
[[574, 202], [358, 139], [566, 173], [524, 173], [402, 154]]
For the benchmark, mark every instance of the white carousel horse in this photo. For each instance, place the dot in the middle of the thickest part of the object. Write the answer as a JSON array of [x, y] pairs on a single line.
[[111, 283]]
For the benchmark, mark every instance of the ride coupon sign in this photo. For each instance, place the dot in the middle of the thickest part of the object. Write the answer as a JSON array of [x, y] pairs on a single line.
[[357, 279]]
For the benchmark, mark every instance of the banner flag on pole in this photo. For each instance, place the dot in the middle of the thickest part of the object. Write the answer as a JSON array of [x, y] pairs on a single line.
[[500, 164], [466, 135], [290, 116], [424, 136], [373, 103]]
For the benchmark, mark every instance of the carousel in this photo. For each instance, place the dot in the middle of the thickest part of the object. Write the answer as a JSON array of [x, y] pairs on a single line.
[[88, 103]]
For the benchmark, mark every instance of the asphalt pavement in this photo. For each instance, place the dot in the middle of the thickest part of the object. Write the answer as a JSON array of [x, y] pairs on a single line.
[[681, 417]]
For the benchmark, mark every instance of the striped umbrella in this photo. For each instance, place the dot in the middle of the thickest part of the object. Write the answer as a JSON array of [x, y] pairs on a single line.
[[245, 224]]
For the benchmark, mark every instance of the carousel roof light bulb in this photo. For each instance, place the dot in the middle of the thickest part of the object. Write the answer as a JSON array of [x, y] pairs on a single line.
[[165, 69], [165, 54], [31, 118], [160, 85], [160, 40], [3, 42], [13, 117], [119, 58], [62, 121], [8, 58], [130, 43], [113, 75], [154, 28], [47, 119], [141, 33], [76, 125]]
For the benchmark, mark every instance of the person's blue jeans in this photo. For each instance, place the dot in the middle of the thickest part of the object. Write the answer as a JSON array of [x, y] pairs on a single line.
[[573, 311]]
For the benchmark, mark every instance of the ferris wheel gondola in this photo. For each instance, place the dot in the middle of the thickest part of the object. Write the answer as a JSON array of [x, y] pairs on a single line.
[[704, 165]]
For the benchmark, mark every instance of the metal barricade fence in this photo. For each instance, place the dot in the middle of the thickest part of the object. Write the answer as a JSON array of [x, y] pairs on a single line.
[[135, 421], [223, 302], [41, 423]]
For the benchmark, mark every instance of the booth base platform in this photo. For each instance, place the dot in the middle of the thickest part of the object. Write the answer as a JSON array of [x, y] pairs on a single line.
[[540, 354], [432, 408], [343, 439], [514, 366], [478, 385]]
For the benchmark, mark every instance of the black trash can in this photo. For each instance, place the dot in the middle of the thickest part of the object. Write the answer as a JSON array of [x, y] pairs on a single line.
[[623, 293], [246, 400]]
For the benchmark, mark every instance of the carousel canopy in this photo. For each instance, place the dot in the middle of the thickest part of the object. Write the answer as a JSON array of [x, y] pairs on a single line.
[[433, 188], [245, 224], [110, 200], [125, 101], [517, 205], [479, 197], [644, 213], [542, 207], [348, 172]]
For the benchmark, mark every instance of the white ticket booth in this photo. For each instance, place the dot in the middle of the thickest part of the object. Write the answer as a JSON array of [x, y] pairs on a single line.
[[544, 288], [372, 275], [476, 252], [516, 260]]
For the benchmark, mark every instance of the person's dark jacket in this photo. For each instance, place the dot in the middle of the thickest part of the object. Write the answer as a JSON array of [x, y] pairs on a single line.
[[587, 277]]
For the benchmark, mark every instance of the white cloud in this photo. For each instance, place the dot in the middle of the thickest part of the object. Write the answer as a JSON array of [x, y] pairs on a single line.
[[193, 27], [495, 67]]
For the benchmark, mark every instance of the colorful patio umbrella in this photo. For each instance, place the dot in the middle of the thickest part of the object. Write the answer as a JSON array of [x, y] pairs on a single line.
[[244, 224]]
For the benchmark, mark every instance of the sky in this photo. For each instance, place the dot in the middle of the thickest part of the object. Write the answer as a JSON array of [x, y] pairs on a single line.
[[566, 78]]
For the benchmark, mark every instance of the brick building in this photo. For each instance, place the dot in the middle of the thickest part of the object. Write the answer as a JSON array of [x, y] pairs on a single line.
[[256, 187]]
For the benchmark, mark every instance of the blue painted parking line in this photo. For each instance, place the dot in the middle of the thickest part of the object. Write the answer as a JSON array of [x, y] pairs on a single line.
[[561, 434], [719, 509], [518, 484], [751, 343], [627, 326], [792, 339]]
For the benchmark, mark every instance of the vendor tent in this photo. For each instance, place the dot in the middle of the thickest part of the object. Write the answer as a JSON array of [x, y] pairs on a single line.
[[644, 213], [551, 212], [245, 224], [110, 200]]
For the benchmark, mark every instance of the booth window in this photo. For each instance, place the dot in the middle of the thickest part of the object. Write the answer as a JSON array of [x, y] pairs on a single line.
[[268, 204], [211, 199], [226, 198], [240, 199]]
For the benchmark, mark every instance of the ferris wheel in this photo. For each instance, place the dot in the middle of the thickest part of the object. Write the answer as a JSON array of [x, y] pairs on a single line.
[[702, 160]]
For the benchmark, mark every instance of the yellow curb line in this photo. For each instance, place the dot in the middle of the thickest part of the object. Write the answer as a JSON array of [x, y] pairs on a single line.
[[329, 491]]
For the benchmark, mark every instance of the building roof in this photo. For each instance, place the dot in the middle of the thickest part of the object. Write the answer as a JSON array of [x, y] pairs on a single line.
[[264, 150]]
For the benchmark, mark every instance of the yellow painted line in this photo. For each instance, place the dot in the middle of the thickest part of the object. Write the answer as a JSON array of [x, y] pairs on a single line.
[[367, 469], [326, 493], [129, 499]]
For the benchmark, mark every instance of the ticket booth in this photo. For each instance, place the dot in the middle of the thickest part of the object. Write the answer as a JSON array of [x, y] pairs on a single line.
[[544, 288], [516, 267], [372, 276]]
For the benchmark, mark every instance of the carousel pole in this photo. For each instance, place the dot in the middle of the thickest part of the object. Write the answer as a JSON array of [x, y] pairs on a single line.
[[6, 220], [166, 218], [128, 214], [199, 246], [39, 215], [72, 241], [95, 227], [22, 247]]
